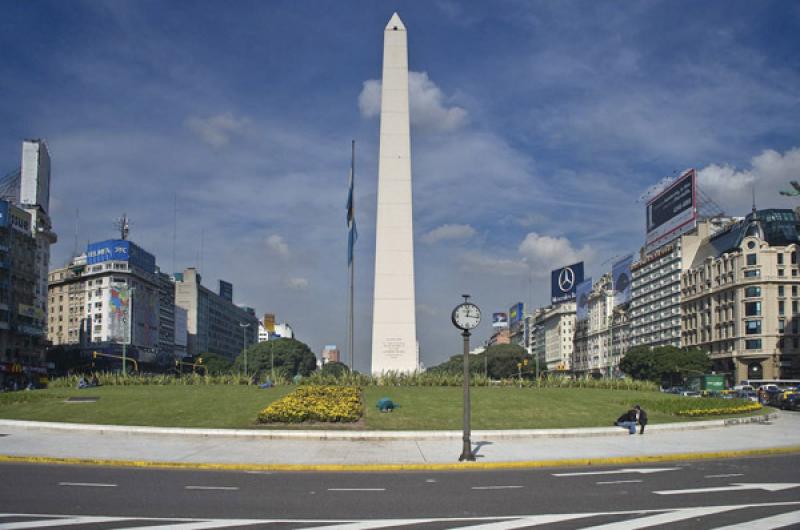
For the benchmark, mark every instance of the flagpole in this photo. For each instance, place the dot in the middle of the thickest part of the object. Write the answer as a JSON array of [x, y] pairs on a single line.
[[352, 258]]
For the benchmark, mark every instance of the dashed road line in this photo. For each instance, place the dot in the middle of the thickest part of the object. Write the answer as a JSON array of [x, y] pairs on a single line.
[[725, 475], [618, 482], [496, 487], [356, 489], [221, 488], [88, 484]]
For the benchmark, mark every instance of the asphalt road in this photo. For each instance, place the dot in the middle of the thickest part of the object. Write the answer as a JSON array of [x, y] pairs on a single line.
[[762, 491]]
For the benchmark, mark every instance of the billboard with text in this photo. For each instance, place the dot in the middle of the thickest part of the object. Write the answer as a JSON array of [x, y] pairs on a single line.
[[563, 282], [672, 212]]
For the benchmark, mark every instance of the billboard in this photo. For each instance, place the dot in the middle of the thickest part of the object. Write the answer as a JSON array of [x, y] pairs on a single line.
[[499, 320], [563, 282], [673, 211], [120, 250], [582, 292], [119, 314], [515, 315], [621, 278], [269, 322]]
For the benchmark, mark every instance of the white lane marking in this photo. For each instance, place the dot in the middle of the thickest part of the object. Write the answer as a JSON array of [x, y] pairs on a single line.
[[61, 522], [356, 489], [618, 482], [222, 488], [733, 487], [199, 525], [526, 522], [643, 470], [496, 487], [88, 484], [664, 518], [376, 523], [781, 520], [725, 475]]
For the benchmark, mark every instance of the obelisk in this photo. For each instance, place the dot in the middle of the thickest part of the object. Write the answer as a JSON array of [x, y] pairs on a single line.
[[394, 326]]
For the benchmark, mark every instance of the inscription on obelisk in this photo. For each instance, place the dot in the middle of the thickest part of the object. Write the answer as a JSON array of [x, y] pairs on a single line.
[[394, 328]]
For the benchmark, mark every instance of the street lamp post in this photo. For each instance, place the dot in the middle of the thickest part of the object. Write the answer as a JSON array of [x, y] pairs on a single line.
[[465, 317], [128, 331], [244, 326]]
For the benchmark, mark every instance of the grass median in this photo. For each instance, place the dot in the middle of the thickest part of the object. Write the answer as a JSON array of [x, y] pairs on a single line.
[[419, 408]]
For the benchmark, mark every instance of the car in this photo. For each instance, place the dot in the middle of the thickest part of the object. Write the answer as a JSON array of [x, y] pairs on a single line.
[[691, 393], [747, 394], [790, 402], [744, 387]]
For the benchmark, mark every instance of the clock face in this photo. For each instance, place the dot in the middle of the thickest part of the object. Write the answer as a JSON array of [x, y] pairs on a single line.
[[466, 316]]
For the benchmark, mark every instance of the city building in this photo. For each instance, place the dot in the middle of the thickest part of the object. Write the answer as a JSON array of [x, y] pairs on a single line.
[[23, 338], [553, 337], [214, 323], [113, 298], [269, 330], [330, 354], [741, 297], [655, 308], [601, 338]]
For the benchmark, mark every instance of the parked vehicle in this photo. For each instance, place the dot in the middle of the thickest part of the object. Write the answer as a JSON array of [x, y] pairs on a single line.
[[747, 394], [790, 402]]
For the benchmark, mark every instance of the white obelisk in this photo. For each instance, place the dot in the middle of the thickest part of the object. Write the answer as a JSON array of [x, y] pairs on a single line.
[[394, 326]]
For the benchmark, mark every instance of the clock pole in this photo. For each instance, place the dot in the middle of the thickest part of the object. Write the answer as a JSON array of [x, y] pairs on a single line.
[[466, 452]]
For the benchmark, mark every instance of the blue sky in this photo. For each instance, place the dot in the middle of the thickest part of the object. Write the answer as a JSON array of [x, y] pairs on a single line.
[[536, 127]]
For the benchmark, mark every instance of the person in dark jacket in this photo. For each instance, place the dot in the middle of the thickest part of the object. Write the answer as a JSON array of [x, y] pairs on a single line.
[[628, 420], [641, 417]]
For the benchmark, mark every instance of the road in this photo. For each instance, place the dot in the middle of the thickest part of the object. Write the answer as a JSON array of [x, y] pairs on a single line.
[[762, 492]]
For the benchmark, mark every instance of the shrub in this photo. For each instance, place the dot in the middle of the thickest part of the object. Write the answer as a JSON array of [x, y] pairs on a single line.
[[316, 403]]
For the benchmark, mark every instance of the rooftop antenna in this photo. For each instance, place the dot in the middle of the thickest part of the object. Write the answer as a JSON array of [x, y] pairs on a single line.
[[123, 226]]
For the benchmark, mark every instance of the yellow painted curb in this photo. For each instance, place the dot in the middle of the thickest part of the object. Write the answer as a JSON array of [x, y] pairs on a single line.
[[466, 466]]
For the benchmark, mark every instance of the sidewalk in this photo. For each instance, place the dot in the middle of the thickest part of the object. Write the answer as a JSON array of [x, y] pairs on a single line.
[[372, 450]]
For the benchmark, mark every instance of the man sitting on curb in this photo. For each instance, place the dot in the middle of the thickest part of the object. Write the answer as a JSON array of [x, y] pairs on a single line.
[[628, 420]]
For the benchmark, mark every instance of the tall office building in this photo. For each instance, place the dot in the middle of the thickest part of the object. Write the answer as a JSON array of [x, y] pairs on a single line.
[[394, 328], [214, 323]]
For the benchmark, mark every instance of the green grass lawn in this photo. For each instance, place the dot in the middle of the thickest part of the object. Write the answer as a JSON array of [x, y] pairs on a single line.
[[419, 408]]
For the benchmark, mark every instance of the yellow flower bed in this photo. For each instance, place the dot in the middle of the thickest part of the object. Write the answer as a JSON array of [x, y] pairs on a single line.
[[315, 403], [750, 407]]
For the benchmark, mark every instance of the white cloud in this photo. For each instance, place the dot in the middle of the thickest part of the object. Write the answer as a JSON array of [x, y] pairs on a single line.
[[277, 245], [769, 171], [297, 283], [545, 253], [429, 108], [217, 130], [474, 262], [448, 232]]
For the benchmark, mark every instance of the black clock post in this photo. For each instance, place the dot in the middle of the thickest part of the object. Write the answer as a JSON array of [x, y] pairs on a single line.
[[465, 317]]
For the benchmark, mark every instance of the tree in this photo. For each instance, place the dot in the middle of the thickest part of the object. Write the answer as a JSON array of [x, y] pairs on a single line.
[[664, 363], [216, 364], [335, 369], [290, 357], [499, 360]]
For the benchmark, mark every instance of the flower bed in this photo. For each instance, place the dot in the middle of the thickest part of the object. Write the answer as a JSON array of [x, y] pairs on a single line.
[[315, 403], [719, 411]]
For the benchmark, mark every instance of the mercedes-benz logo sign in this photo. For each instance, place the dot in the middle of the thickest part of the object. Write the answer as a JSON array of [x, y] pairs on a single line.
[[566, 279]]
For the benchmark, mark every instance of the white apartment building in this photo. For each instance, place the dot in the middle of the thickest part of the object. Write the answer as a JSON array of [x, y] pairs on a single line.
[[655, 309], [553, 336]]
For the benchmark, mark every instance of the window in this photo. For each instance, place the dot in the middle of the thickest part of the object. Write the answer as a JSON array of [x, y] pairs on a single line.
[[753, 291], [794, 307], [780, 272], [794, 257], [753, 327], [753, 309], [752, 274], [781, 325], [781, 307], [780, 258], [794, 290], [752, 344], [752, 259], [780, 291]]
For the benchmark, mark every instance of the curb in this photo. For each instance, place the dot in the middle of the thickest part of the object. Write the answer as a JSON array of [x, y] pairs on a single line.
[[363, 468], [377, 435]]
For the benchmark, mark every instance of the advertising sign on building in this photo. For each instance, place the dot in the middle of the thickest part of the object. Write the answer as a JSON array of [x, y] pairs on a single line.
[[582, 292], [563, 282], [499, 320], [120, 250], [621, 276], [119, 314], [672, 212], [515, 315], [269, 322]]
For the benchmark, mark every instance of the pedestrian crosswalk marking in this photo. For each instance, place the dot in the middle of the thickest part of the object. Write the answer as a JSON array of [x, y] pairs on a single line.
[[629, 520]]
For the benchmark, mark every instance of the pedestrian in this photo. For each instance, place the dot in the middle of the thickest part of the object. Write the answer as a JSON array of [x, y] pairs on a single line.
[[642, 418], [628, 420]]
